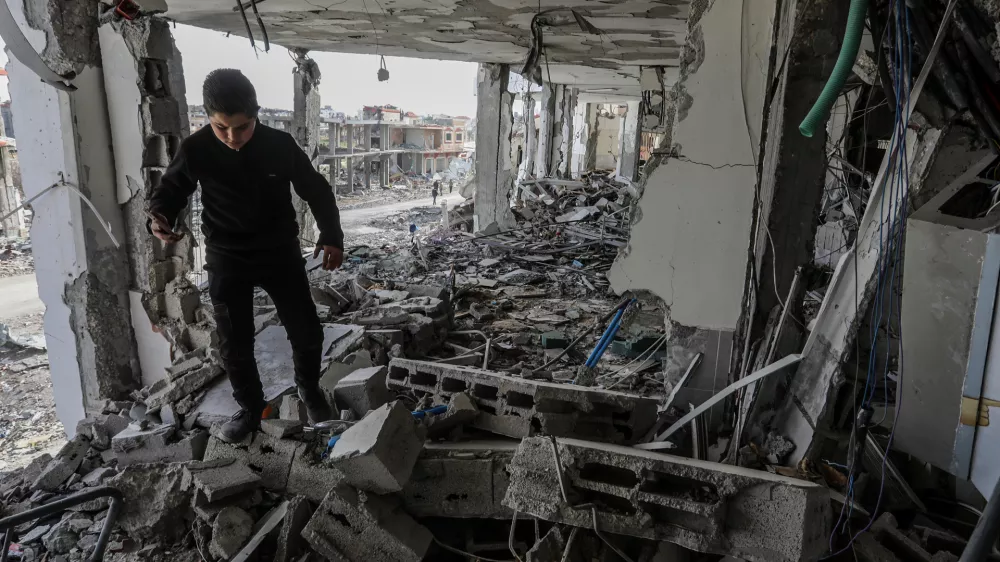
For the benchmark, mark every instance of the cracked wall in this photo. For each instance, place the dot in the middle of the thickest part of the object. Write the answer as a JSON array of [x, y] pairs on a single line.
[[305, 129], [692, 223], [148, 115]]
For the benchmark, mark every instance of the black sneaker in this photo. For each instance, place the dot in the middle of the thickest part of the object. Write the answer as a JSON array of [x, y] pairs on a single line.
[[243, 423], [317, 405]]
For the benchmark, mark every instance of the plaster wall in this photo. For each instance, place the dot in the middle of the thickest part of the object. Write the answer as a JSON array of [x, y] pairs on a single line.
[[689, 240], [607, 142]]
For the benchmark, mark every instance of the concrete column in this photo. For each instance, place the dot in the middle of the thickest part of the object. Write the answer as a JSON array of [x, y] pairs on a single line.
[[593, 134], [565, 168], [558, 123], [10, 199], [333, 132], [386, 143], [66, 137], [350, 159], [530, 138], [418, 163], [384, 169], [546, 118], [494, 174], [629, 140], [368, 172], [335, 172], [305, 129]]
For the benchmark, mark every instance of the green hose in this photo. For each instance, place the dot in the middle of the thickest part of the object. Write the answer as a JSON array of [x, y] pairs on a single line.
[[820, 112]]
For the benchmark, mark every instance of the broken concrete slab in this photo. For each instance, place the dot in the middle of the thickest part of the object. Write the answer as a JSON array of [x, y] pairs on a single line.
[[337, 370], [290, 542], [65, 463], [378, 453], [222, 478], [466, 479], [97, 476], [279, 429], [185, 385], [157, 449], [266, 456], [517, 407], [230, 530], [356, 526], [363, 390], [708, 507]]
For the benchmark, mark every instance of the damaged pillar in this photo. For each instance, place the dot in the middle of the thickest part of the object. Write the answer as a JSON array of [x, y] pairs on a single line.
[[629, 137], [546, 116], [530, 137], [350, 159], [367, 130], [558, 143], [305, 129], [494, 174], [384, 171], [593, 134], [65, 141], [563, 160]]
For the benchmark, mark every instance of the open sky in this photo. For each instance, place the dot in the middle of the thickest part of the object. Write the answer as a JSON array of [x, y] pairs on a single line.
[[348, 81]]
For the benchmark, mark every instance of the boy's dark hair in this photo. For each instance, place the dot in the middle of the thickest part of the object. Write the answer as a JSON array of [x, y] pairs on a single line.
[[227, 91]]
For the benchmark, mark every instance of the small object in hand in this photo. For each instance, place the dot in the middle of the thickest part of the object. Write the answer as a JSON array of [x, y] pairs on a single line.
[[333, 256], [161, 228]]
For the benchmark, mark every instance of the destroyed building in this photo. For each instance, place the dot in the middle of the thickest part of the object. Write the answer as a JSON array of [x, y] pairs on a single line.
[[686, 346]]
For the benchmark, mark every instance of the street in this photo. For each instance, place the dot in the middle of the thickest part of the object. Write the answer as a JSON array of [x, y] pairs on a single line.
[[357, 218], [19, 296]]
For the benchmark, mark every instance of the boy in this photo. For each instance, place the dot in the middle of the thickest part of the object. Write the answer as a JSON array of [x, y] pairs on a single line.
[[245, 169]]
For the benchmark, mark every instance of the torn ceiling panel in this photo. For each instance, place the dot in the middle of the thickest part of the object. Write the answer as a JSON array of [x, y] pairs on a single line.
[[633, 34]]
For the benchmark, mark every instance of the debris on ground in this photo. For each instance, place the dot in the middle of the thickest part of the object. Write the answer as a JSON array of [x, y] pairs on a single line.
[[16, 257]]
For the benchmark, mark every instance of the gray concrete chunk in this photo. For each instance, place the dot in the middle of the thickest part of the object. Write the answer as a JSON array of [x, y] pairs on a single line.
[[222, 479], [59, 469], [465, 479], [708, 507], [378, 453], [362, 390], [232, 528], [290, 540], [279, 429], [355, 526]]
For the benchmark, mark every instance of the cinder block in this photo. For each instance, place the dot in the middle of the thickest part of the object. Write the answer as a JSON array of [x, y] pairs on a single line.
[[362, 390], [190, 447], [378, 453], [708, 507], [293, 409], [201, 335], [279, 429], [466, 479], [290, 537], [182, 300], [184, 385], [356, 526], [520, 408], [266, 456], [161, 116], [63, 466]]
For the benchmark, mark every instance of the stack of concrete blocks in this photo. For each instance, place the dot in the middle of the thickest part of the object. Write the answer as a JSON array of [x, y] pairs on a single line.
[[518, 407], [144, 78], [707, 507]]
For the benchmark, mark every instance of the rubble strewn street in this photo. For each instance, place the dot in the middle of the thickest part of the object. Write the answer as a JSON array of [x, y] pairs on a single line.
[[15, 257]]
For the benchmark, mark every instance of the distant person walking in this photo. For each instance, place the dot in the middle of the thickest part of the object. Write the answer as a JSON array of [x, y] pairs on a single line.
[[451, 185], [434, 194]]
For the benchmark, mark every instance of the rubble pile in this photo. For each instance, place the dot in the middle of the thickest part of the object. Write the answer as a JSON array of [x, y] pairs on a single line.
[[15, 257]]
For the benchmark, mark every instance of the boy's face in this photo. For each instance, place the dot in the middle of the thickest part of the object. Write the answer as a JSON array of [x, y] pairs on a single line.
[[233, 130]]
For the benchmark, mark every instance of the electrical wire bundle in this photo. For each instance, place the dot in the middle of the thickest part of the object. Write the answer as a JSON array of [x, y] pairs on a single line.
[[892, 220]]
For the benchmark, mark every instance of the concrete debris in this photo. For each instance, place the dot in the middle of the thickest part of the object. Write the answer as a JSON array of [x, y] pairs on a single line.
[[157, 497], [290, 542], [59, 469], [517, 407], [279, 429], [378, 453], [214, 481], [703, 506], [356, 526], [363, 390], [466, 479]]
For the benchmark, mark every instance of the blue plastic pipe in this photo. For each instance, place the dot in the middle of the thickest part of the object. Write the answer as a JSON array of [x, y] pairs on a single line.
[[607, 342], [606, 336]]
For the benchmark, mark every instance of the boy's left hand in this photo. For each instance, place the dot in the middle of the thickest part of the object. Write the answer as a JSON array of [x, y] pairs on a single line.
[[333, 256]]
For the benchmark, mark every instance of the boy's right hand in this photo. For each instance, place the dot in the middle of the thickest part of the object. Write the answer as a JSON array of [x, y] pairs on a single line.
[[161, 228]]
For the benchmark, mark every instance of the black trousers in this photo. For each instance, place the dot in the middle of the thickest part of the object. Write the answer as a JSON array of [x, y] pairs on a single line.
[[231, 288]]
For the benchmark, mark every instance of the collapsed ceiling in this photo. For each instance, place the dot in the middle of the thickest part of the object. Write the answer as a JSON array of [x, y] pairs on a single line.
[[632, 33]]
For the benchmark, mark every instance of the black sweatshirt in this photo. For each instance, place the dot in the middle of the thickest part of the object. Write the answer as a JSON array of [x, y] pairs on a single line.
[[247, 204]]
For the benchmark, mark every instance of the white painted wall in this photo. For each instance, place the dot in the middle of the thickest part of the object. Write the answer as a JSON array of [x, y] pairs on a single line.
[[690, 245], [124, 99], [607, 140], [47, 154]]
